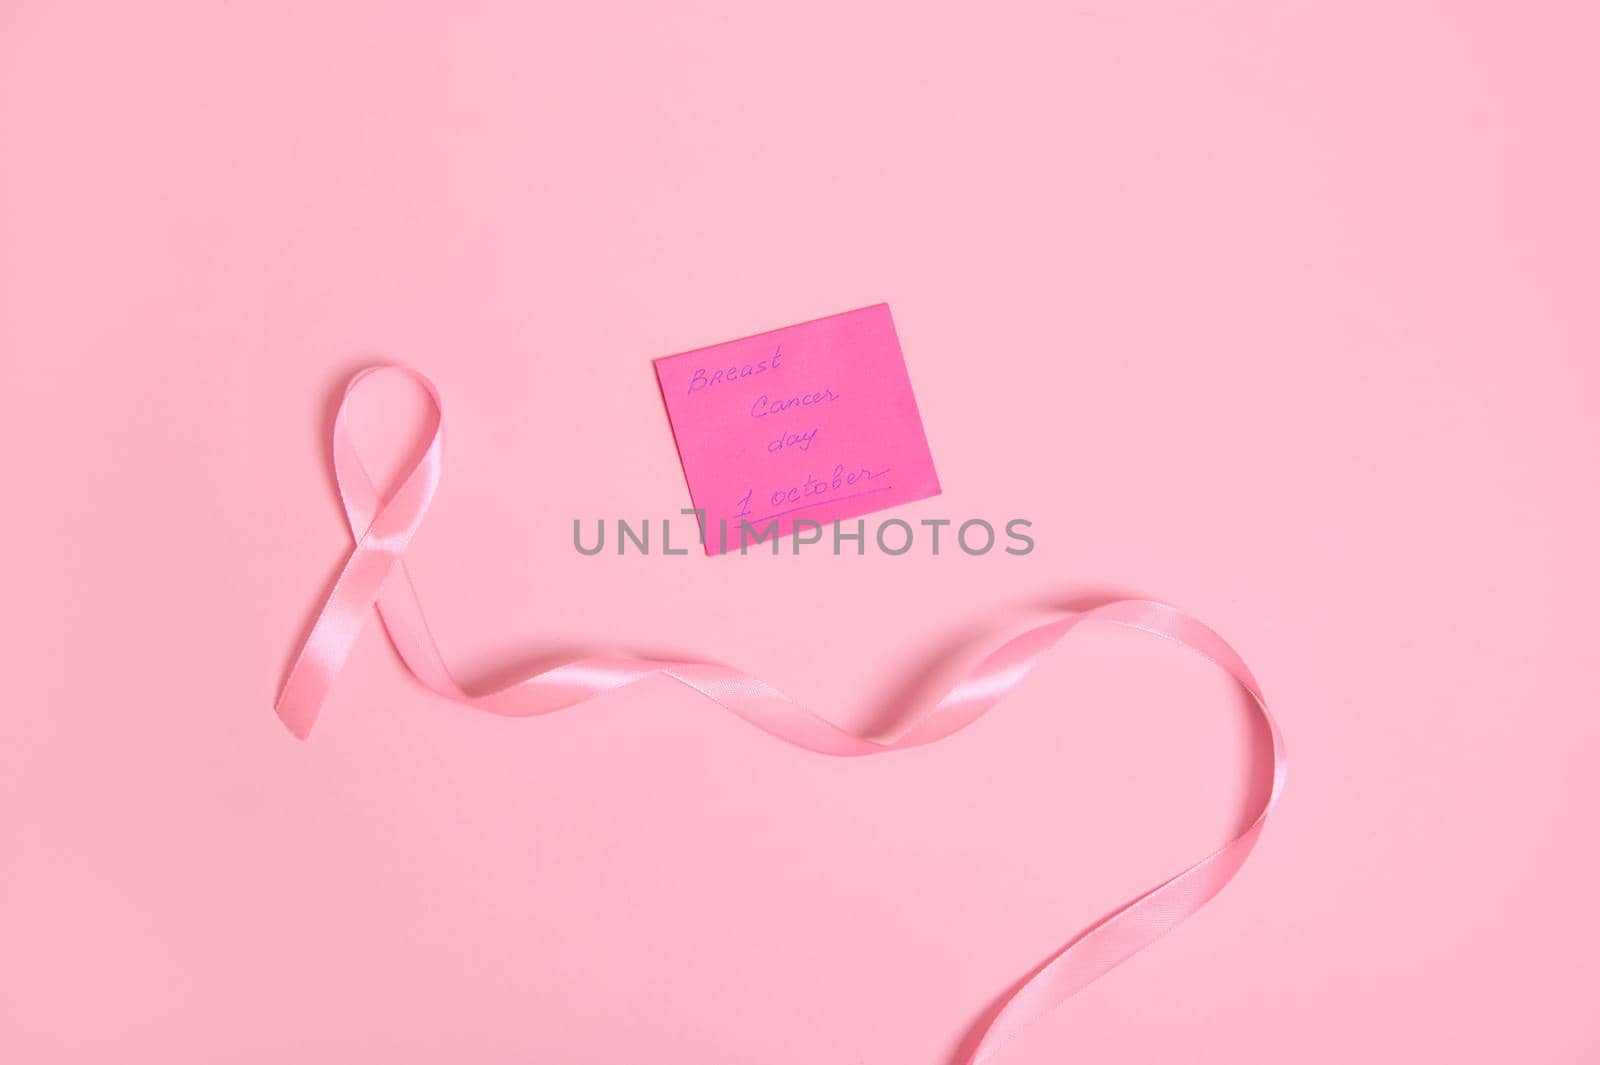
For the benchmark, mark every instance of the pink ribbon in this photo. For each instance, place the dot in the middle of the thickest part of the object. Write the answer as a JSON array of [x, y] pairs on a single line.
[[376, 573]]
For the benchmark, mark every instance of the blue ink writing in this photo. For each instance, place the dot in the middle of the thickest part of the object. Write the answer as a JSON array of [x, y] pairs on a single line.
[[814, 491], [764, 405], [703, 379], [794, 440]]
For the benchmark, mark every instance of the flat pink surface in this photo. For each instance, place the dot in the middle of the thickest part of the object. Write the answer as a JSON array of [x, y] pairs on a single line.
[[1283, 313], [811, 423]]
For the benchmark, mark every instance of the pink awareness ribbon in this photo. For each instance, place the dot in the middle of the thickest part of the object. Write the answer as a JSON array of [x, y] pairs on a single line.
[[376, 574]]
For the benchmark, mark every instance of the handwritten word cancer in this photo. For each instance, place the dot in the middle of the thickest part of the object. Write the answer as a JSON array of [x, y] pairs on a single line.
[[764, 406]]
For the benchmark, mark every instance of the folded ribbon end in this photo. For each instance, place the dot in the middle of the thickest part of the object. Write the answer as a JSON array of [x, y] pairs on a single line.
[[298, 707], [298, 723]]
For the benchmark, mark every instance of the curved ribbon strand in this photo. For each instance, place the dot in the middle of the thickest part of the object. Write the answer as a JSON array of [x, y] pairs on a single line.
[[376, 574]]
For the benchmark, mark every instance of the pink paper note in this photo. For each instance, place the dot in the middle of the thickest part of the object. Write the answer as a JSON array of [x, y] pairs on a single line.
[[797, 428]]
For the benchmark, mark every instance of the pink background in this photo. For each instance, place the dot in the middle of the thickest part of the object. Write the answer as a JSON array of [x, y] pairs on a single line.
[[1282, 312]]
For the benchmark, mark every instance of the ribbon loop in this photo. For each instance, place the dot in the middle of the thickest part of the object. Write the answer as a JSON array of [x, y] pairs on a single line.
[[376, 574]]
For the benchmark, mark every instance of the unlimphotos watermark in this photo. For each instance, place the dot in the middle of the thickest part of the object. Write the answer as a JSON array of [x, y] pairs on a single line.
[[893, 536]]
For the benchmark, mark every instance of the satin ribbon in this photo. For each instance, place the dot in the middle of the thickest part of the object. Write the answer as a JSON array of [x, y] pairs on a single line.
[[376, 573]]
